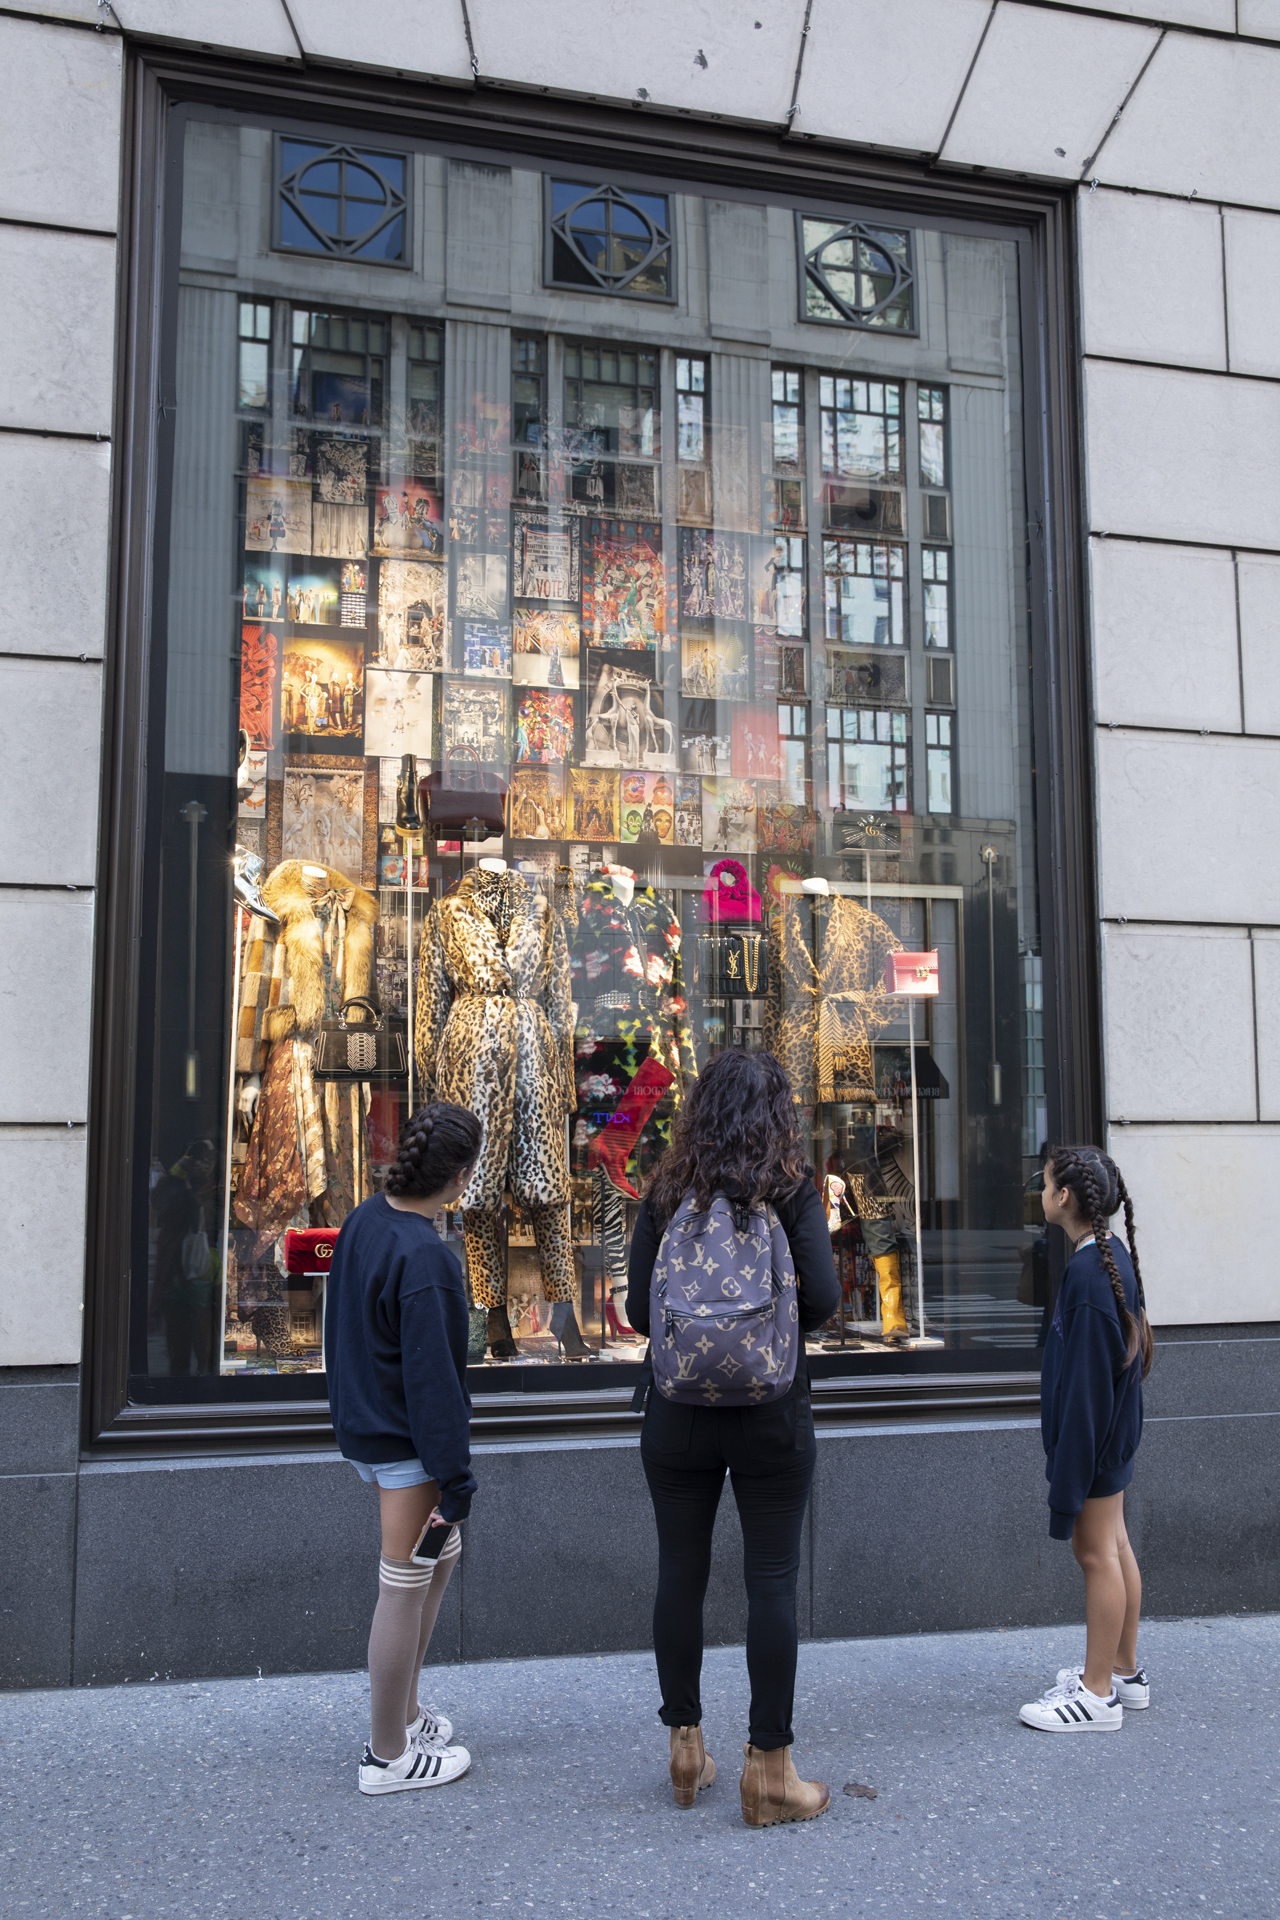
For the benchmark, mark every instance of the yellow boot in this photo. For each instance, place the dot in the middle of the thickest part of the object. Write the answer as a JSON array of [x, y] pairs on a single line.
[[893, 1324]]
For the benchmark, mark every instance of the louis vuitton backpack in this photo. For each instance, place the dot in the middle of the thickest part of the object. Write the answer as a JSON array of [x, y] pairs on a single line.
[[724, 1327]]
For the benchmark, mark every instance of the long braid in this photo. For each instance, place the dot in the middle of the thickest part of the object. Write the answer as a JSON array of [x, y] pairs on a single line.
[[436, 1143], [1144, 1325], [1081, 1171]]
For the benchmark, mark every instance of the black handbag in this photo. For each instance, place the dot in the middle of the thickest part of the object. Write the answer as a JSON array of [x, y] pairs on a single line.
[[464, 805], [355, 1050], [733, 964]]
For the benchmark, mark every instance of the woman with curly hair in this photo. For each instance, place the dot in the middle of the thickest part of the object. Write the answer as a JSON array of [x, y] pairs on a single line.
[[1096, 1357], [395, 1345], [735, 1134]]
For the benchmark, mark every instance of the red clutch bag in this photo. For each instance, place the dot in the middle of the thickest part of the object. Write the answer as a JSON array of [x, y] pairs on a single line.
[[913, 973], [309, 1249]]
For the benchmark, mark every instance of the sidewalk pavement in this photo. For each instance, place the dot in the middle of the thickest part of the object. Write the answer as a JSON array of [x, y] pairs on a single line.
[[236, 1799]]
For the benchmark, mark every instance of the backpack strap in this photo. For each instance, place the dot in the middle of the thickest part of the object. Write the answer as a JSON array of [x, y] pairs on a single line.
[[639, 1398]]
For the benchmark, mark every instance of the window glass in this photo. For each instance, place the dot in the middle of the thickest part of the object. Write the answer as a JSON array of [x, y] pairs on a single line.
[[639, 670]]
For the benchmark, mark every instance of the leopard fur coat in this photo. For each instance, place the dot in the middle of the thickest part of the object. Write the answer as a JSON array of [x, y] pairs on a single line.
[[494, 1032]]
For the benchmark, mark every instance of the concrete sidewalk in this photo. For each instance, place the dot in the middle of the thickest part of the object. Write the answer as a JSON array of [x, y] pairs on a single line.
[[237, 1799]]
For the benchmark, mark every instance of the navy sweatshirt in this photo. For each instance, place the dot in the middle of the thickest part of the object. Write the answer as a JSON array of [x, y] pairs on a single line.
[[1090, 1401], [395, 1348]]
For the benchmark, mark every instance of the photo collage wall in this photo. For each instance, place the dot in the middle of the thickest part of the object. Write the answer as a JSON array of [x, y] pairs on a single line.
[[495, 610]]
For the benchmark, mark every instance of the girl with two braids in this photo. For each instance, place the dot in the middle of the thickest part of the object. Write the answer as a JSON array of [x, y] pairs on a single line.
[[395, 1343], [1096, 1357]]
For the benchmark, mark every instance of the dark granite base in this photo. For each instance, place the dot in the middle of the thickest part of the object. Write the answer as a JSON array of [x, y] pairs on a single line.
[[227, 1566]]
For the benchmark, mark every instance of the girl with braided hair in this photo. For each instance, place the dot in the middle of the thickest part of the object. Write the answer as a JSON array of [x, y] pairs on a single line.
[[395, 1343], [1096, 1357]]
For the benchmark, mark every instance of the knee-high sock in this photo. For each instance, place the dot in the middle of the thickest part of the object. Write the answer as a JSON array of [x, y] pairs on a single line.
[[430, 1608], [609, 1221], [485, 1268], [393, 1647], [555, 1251]]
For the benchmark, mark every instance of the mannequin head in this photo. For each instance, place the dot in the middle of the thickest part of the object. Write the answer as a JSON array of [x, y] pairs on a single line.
[[438, 1148]]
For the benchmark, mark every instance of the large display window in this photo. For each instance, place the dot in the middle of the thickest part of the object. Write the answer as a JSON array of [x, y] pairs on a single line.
[[599, 641]]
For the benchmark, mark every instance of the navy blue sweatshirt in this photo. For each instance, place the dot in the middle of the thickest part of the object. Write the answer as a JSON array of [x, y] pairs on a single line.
[[395, 1349], [1090, 1401]]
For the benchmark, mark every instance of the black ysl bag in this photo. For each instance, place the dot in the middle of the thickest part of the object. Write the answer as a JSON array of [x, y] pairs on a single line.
[[359, 1049], [732, 965]]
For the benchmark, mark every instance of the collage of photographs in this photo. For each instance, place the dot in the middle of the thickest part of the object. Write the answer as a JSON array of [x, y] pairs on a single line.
[[630, 693]]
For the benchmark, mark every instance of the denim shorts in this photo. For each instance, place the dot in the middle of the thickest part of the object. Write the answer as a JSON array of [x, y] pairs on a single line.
[[392, 1473]]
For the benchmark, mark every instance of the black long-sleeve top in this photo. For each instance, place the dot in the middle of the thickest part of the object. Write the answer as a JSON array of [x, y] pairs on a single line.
[[809, 1237], [1090, 1397], [395, 1348]]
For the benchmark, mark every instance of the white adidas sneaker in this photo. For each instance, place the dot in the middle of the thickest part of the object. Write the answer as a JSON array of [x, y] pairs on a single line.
[[420, 1765], [434, 1728], [1071, 1708], [1133, 1692]]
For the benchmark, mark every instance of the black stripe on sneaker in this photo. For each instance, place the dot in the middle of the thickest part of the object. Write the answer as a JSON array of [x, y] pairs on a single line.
[[1064, 1717], [435, 1765], [415, 1768], [1082, 1709]]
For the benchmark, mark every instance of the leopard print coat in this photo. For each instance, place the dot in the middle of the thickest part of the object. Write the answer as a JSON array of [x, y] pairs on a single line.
[[822, 1015], [494, 1032]]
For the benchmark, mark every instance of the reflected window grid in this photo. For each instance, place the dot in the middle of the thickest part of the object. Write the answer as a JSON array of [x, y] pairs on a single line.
[[938, 762], [255, 353], [868, 759], [692, 387], [528, 390], [345, 201], [604, 240], [864, 592], [932, 409], [861, 428], [936, 571], [338, 367], [853, 275]]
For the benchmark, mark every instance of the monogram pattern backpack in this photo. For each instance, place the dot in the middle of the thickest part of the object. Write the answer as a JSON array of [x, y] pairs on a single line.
[[724, 1327]]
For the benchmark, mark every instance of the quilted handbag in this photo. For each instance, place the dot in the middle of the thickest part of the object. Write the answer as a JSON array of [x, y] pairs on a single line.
[[464, 803], [359, 1050], [733, 964]]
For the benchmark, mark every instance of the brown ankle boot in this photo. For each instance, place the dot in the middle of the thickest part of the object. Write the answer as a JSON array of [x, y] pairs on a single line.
[[773, 1791], [692, 1768]]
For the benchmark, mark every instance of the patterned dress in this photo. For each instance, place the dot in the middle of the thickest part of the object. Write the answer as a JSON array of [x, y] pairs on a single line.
[[628, 988]]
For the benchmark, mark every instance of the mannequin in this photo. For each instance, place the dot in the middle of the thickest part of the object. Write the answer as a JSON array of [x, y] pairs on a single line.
[[633, 1048], [826, 1002], [494, 1033], [307, 1161]]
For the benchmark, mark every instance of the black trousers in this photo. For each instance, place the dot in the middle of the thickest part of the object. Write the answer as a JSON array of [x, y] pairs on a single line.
[[769, 1454]]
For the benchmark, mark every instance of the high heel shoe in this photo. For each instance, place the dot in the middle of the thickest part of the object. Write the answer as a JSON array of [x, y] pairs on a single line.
[[502, 1344], [615, 1326], [564, 1325], [692, 1768]]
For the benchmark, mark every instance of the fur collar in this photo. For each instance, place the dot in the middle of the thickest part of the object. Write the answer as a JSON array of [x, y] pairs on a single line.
[[288, 895]]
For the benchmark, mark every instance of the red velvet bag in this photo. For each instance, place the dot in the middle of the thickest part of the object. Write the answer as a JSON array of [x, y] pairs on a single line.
[[309, 1249], [729, 895]]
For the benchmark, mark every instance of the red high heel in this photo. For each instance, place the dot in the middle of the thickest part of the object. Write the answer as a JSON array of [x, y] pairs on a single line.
[[613, 1145], [615, 1326]]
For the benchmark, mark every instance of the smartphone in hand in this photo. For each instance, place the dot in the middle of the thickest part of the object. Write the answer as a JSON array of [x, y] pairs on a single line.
[[431, 1542]]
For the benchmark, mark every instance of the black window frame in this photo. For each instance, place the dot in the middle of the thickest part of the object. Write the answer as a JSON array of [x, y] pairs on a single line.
[[845, 318], [592, 188], [164, 88], [345, 149]]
